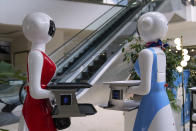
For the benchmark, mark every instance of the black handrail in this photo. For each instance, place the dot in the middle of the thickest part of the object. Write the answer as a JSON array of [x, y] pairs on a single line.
[[126, 19], [82, 31], [89, 37], [95, 33]]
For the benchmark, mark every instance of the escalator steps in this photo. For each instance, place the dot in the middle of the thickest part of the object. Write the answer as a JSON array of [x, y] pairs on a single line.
[[106, 32], [92, 68], [65, 68], [60, 73]]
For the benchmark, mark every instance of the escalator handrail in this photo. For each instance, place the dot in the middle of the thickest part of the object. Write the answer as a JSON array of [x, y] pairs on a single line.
[[67, 74], [92, 56], [53, 53], [90, 38], [84, 43], [98, 51], [111, 59], [106, 65]]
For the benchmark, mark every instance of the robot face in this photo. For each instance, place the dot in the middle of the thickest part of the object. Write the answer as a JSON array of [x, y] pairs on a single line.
[[38, 28], [52, 29]]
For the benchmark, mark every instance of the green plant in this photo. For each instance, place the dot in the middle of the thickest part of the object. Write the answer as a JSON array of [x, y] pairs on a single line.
[[3, 130], [173, 60], [7, 72]]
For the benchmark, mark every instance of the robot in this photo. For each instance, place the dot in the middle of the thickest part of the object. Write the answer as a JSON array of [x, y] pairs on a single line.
[[48, 106], [154, 113], [38, 28]]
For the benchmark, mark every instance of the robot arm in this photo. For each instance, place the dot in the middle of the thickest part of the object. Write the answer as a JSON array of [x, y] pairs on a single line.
[[145, 63], [35, 64]]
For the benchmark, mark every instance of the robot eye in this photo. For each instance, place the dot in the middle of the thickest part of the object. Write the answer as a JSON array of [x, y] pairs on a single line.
[[52, 29]]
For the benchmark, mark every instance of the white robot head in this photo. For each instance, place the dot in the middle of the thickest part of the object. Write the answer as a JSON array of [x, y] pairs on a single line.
[[152, 26], [38, 28]]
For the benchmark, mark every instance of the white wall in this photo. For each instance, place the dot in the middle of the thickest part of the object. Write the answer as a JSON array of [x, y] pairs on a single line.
[[191, 13], [66, 14], [185, 29]]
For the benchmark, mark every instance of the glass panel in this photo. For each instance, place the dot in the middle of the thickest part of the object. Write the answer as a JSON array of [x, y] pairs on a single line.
[[69, 47], [91, 48], [119, 42]]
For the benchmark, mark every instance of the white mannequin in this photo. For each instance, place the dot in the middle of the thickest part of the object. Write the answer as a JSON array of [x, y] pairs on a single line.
[[35, 28], [151, 26]]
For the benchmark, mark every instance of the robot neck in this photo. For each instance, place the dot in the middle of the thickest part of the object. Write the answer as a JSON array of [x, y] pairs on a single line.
[[38, 46]]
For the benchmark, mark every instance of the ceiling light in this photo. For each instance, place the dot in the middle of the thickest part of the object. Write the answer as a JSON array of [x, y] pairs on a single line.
[[185, 52], [186, 58], [179, 69], [178, 48], [177, 41]]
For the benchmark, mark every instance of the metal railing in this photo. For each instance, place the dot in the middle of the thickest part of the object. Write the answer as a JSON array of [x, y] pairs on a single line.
[[61, 54], [93, 54]]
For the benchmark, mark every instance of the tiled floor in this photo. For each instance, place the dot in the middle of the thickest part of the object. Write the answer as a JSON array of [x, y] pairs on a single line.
[[105, 120], [14, 127], [9, 118]]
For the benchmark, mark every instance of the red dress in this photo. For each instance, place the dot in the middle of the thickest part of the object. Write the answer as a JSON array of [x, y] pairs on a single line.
[[37, 112]]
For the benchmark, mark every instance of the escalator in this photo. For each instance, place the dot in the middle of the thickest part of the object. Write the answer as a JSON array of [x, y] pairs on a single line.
[[96, 42], [98, 49], [70, 64]]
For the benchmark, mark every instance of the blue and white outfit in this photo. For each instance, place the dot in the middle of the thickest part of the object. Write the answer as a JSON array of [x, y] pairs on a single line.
[[154, 113]]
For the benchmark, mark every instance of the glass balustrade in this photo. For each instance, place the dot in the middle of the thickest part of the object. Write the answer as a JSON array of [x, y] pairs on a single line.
[[69, 47]]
